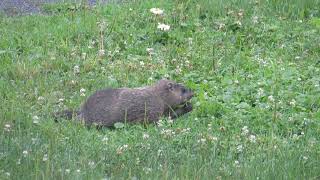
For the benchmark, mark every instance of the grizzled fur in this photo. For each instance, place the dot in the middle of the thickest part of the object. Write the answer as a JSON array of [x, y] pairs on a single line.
[[147, 104]]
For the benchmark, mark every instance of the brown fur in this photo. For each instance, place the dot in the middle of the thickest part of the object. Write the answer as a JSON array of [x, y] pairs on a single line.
[[109, 106]]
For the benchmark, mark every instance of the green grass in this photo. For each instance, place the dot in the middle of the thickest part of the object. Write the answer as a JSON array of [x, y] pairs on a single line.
[[254, 66]]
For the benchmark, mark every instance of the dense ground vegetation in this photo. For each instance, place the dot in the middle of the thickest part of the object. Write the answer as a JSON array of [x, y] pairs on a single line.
[[254, 66]]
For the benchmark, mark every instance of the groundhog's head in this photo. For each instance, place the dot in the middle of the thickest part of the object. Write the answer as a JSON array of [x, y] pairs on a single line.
[[175, 93]]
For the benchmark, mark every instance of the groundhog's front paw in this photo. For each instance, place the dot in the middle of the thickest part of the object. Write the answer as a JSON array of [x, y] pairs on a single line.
[[187, 107]]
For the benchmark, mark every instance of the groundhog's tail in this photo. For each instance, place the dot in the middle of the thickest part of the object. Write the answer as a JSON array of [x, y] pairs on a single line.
[[67, 114]]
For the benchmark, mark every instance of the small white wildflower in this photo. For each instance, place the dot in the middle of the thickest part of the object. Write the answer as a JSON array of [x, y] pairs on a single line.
[[40, 98], [221, 26], [101, 52], [305, 157], [270, 98], [19, 161], [238, 23], [141, 63], [105, 139], [102, 25], [147, 170], [150, 51], [145, 136], [76, 69], [67, 171], [236, 162], [156, 11], [255, 19], [292, 102], [121, 149], [252, 138], [82, 92], [260, 92], [297, 57], [244, 130], [25, 153], [7, 127], [91, 164], [45, 157], [163, 27], [202, 140], [35, 120], [130, 9], [78, 171], [240, 148], [7, 174], [160, 123], [91, 44]]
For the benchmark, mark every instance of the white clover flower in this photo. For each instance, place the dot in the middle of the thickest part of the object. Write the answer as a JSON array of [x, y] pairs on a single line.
[[25, 153], [163, 27], [76, 69], [78, 171], [105, 139], [260, 92], [252, 138], [141, 63], [270, 98], [150, 51], [244, 130], [147, 170], [82, 92], [156, 11], [121, 149], [45, 157], [255, 19], [67, 171], [40, 98], [240, 148], [101, 52], [292, 102], [145, 136], [35, 120], [91, 164], [7, 127]]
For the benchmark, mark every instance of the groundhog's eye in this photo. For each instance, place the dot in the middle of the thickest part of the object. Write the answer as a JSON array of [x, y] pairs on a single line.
[[184, 90]]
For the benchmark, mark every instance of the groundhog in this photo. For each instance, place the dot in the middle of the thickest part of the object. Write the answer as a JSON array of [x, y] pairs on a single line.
[[132, 105]]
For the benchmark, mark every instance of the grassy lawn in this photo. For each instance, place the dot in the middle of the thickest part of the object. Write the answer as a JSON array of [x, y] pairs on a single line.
[[254, 66]]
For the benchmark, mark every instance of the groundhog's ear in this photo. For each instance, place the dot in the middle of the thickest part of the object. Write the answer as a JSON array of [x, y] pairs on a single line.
[[170, 86]]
